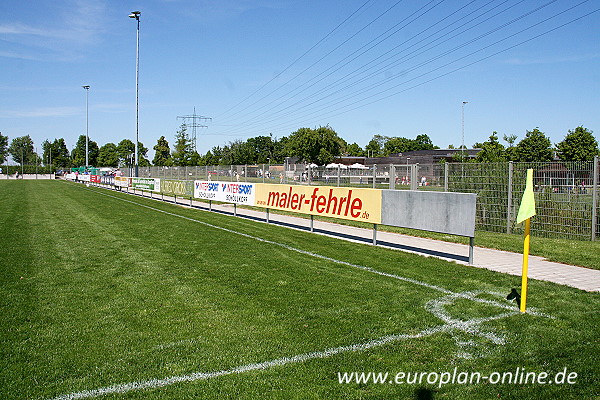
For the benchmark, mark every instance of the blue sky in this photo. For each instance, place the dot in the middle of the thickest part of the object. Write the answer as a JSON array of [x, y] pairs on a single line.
[[259, 67]]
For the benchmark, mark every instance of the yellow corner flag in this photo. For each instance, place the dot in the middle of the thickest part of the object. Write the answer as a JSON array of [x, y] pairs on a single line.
[[526, 211], [527, 208]]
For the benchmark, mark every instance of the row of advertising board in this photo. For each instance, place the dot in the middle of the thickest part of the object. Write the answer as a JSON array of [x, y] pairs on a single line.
[[337, 202], [452, 213]]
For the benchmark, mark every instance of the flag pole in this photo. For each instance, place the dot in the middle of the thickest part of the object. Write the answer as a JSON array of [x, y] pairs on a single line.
[[526, 211], [525, 265]]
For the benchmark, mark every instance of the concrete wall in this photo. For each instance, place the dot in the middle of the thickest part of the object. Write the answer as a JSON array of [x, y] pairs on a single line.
[[443, 212], [28, 176]]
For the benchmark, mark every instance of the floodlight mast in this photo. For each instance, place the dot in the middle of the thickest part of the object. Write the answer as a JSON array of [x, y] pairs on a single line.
[[136, 15], [463, 131], [87, 124]]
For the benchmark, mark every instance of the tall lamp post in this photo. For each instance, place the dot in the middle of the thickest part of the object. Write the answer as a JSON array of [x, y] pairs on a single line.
[[463, 131], [136, 15], [87, 136]]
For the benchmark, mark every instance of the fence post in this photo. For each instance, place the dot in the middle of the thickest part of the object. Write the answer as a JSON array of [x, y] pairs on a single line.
[[509, 202], [339, 168], [374, 174], [392, 174], [414, 174], [595, 199], [446, 172]]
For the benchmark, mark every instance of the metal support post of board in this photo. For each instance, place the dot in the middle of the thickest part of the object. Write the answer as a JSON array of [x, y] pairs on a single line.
[[175, 199], [312, 223], [267, 215], [191, 201], [595, 199], [210, 205], [509, 202], [374, 234], [235, 209], [471, 249]]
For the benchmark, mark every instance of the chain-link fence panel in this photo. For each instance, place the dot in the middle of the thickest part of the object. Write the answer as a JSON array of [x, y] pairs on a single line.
[[566, 193]]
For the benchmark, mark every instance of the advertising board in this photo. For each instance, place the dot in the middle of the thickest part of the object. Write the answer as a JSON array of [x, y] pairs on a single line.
[[121, 181], [107, 179], [95, 178], [337, 202], [178, 188], [146, 184], [227, 192]]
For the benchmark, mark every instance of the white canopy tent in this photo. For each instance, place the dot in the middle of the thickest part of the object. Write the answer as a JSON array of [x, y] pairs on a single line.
[[358, 166], [334, 165]]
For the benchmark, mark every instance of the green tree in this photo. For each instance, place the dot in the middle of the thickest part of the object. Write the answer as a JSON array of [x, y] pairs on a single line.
[[375, 146], [47, 151], [535, 147], [209, 159], [182, 153], [396, 145], [3, 148], [319, 146], [56, 153], [162, 155], [262, 149], [108, 156], [143, 155], [196, 158], [21, 150], [79, 152], [280, 149], [578, 145], [423, 142], [491, 150], [240, 153], [126, 150], [354, 150], [511, 150]]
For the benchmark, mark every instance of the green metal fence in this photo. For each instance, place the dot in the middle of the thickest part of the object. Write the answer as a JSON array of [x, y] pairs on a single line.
[[566, 192]]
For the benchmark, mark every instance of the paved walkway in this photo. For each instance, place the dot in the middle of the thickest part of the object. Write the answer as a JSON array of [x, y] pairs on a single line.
[[496, 260]]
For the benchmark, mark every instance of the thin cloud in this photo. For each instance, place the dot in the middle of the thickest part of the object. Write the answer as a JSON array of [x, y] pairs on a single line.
[[43, 112], [60, 36]]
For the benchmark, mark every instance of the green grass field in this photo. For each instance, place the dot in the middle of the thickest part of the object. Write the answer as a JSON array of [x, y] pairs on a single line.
[[120, 297]]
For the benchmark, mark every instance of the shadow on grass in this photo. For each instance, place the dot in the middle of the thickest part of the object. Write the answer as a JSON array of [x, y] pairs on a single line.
[[424, 394]]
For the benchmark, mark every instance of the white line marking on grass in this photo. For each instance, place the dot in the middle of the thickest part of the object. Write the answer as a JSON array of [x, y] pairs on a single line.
[[451, 325], [506, 305]]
